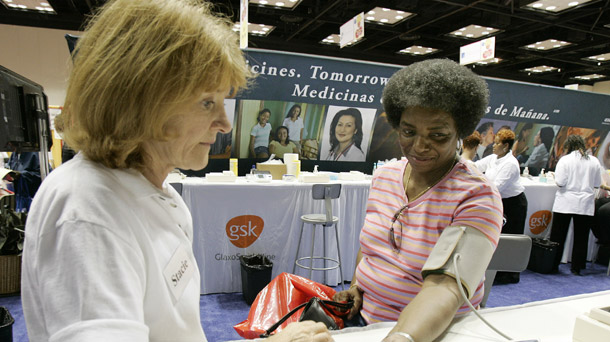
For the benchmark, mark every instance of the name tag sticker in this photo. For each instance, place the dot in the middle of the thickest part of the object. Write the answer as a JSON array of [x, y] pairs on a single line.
[[179, 271]]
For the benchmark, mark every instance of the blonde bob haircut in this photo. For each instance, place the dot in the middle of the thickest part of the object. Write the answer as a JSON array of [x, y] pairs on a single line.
[[135, 63]]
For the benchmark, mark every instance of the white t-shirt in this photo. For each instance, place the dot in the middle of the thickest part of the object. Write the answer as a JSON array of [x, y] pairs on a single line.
[[294, 128], [261, 134], [503, 172], [577, 179], [108, 257], [353, 153]]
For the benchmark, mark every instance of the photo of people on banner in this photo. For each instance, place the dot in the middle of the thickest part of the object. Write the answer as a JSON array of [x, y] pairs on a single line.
[[539, 146], [341, 133], [277, 127], [346, 133]]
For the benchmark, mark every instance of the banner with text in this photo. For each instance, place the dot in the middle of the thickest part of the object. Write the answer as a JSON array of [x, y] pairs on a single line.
[[331, 109]]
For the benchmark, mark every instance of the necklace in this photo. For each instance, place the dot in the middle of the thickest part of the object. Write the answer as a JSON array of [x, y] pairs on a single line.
[[430, 186]]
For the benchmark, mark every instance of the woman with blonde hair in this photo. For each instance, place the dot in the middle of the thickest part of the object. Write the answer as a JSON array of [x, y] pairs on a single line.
[[108, 248]]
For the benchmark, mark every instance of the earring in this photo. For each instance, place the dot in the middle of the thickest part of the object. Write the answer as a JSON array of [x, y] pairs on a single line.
[[459, 144]]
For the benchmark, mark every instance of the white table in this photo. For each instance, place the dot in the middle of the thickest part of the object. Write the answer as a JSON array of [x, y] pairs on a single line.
[[279, 205], [540, 198], [548, 321]]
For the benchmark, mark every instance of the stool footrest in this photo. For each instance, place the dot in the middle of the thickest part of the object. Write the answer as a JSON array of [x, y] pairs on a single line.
[[317, 268]]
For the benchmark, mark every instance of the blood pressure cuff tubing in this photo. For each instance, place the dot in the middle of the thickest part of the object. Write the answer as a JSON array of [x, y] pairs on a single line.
[[475, 251]]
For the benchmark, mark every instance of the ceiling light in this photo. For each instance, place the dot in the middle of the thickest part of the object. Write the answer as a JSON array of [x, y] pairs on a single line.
[[334, 39], [546, 45], [599, 58], [261, 30], [417, 50], [386, 16], [541, 69], [290, 4], [590, 77], [474, 31], [29, 5], [491, 61], [555, 6]]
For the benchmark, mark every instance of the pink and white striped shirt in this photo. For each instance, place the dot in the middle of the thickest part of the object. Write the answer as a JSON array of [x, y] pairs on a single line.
[[390, 279]]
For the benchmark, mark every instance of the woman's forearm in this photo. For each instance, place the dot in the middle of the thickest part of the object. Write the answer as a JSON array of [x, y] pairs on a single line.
[[432, 310]]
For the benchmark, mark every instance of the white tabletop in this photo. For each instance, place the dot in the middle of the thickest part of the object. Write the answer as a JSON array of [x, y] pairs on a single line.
[[548, 321]]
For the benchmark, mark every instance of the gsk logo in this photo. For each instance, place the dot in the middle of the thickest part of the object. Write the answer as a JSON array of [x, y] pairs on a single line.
[[539, 221], [244, 230]]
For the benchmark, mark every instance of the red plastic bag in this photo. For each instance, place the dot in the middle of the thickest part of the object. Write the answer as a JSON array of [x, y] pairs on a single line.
[[281, 295]]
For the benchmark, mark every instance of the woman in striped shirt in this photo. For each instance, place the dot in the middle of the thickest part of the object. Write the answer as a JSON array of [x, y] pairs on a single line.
[[433, 104]]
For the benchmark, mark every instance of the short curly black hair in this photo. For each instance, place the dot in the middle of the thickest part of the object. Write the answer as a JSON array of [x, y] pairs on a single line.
[[438, 84]]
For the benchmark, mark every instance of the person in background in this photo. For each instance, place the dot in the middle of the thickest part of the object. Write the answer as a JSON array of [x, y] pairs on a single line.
[[469, 146], [601, 227], [502, 168], [419, 204], [543, 141], [281, 144], [3, 158], [295, 125], [24, 178], [605, 155], [577, 175], [345, 137], [259, 136], [108, 247], [520, 146], [66, 152], [487, 139]]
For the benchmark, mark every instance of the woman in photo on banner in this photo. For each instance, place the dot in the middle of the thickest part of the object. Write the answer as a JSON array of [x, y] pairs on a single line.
[[259, 135], [543, 142], [345, 137], [431, 198], [281, 144], [295, 125], [108, 249]]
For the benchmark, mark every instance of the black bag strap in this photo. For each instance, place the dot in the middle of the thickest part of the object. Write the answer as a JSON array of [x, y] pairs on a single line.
[[324, 303], [338, 305]]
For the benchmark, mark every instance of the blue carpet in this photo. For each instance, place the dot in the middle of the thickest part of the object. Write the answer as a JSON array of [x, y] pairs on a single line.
[[219, 312]]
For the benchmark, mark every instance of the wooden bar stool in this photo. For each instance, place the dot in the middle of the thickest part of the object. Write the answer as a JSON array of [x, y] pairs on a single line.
[[327, 192]]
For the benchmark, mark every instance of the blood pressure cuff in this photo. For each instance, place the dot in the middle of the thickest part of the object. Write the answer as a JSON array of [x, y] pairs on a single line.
[[475, 251]]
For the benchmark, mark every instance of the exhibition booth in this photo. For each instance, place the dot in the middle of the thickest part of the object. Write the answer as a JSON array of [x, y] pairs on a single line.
[[250, 217]]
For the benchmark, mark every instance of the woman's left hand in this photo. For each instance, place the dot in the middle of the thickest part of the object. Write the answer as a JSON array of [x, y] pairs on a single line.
[[351, 294]]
